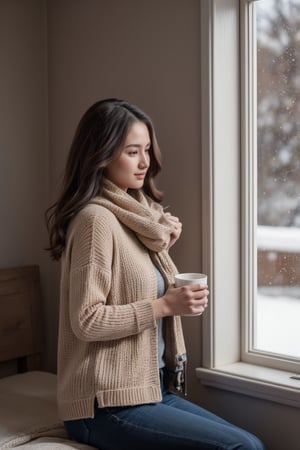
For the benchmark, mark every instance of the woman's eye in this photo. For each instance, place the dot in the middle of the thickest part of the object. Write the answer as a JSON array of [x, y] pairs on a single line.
[[134, 152]]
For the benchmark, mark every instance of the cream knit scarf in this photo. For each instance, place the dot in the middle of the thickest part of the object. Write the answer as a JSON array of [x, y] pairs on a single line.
[[145, 218], [139, 213]]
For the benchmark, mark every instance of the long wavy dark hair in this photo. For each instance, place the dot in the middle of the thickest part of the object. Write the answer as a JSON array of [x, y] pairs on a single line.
[[98, 140]]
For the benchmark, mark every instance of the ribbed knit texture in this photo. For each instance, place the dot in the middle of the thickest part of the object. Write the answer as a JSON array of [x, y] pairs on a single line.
[[107, 332]]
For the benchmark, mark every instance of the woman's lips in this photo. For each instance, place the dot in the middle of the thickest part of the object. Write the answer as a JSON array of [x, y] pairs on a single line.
[[140, 176]]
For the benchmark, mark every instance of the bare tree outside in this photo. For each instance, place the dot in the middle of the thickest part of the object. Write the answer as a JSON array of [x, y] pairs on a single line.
[[278, 118]]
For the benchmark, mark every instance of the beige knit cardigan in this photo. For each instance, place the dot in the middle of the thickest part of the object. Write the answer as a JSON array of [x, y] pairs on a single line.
[[108, 347]]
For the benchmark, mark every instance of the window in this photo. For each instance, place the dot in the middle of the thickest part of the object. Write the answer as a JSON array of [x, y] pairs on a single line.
[[277, 300], [272, 193], [236, 355]]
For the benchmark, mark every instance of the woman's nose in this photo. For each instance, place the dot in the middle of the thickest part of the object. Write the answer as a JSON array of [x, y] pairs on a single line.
[[144, 161]]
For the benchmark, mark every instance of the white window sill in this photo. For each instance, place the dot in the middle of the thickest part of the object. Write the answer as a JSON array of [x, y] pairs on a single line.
[[255, 381]]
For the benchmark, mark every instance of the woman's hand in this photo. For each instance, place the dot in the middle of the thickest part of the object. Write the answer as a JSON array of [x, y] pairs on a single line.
[[177, 228], [177, 301]]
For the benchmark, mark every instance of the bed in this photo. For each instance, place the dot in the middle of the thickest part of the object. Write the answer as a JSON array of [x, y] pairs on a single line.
[[28, 414]]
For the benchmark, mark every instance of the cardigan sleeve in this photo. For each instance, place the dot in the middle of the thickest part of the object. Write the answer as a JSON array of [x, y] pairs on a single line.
[[91, 261]]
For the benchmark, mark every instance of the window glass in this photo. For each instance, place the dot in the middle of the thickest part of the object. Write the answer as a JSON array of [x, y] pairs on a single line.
[[277, 305]]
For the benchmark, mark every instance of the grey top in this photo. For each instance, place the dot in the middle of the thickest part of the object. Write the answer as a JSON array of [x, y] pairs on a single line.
[[161, 344]]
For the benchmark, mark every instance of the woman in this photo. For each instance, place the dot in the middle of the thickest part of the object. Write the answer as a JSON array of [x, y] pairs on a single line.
[[121, 349]]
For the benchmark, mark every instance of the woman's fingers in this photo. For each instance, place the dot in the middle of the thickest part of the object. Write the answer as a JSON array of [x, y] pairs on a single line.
[[177, 228], [194, 296]]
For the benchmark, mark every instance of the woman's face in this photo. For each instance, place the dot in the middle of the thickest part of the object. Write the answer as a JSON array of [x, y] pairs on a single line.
[[128, 171]]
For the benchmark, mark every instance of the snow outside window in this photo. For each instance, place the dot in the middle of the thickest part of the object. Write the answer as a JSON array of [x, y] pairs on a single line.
[[275, 193]]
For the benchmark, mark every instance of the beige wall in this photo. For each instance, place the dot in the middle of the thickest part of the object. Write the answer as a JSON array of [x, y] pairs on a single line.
[[145, 51], [23, 136], [24, 168]]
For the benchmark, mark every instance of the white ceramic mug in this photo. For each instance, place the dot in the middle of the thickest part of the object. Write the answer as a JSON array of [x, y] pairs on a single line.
[[183, 279]]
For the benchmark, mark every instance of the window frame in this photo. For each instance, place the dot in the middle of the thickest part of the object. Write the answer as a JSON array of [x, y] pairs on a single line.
[[249, 195], [227, 126]]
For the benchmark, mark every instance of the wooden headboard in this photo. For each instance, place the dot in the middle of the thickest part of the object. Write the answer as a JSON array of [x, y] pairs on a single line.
[[21, 336]]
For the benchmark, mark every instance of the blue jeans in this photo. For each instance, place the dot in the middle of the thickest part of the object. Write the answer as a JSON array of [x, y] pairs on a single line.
[[174, 423]]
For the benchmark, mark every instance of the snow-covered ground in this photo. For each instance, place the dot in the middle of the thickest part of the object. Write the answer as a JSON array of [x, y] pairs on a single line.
[[278, 307], [278, 321]]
